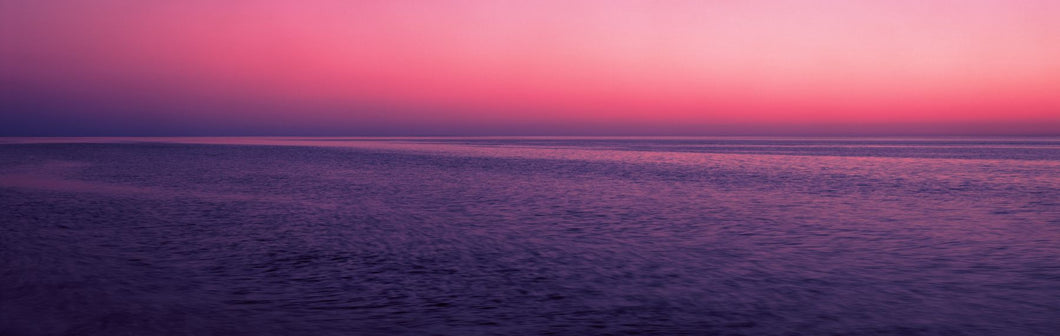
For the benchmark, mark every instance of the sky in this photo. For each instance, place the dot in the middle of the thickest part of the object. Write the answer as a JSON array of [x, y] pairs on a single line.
[[494, 67]]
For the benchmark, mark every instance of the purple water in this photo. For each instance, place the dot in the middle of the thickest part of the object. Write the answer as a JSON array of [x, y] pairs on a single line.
[[528, 236]]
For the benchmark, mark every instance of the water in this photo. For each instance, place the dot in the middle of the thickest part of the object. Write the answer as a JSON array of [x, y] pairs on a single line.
[[527, 236]]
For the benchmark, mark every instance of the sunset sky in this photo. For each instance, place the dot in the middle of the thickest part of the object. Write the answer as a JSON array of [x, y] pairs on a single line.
[[207, 67]]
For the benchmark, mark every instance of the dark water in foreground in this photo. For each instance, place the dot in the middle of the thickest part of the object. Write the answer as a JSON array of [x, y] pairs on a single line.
[[530, 236]]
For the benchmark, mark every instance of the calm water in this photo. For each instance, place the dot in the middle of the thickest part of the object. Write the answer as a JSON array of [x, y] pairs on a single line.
[[727, 236]]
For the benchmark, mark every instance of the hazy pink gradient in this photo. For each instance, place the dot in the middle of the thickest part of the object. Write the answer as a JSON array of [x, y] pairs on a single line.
[[578, 64]]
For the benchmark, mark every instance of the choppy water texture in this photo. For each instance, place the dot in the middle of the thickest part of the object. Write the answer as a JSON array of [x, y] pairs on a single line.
[[728, 236]]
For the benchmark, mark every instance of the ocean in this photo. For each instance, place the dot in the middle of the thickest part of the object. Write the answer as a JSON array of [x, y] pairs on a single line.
[[529, 236]]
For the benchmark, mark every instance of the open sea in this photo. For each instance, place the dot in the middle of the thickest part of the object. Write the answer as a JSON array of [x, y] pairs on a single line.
[[529, 236]]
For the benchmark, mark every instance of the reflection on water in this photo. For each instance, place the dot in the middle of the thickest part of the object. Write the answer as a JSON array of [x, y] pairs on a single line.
[[458, 236]]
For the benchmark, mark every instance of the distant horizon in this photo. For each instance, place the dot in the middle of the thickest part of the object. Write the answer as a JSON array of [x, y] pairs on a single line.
[[843, 131], [558, 135]]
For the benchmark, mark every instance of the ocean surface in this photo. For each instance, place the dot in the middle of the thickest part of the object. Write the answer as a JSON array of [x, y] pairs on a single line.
[[529, 236]]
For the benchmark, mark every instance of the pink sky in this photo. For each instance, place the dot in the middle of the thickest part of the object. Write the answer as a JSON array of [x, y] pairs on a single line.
[[482, 67]]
